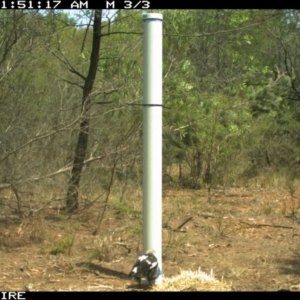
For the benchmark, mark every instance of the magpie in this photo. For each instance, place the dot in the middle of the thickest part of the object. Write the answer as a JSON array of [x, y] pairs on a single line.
[[146, 267]]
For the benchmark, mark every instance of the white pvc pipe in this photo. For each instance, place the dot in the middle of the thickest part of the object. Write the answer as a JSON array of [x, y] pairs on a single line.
[[152, 136]]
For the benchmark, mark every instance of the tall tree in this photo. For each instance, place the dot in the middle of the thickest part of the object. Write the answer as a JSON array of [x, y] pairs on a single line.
[[72, 202]]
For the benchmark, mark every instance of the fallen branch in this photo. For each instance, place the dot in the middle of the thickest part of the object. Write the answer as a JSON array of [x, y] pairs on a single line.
[[4, 186], [206, 215], [266, 225], [124, 245], [180, 226]]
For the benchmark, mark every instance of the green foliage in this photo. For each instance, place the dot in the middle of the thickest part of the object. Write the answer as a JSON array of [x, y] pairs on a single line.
[[136, 229], [122, 210], [64, 246], [271, 98], [231, 81]]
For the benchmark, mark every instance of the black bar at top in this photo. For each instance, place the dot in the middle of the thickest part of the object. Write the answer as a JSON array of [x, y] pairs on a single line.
[[138, 4]]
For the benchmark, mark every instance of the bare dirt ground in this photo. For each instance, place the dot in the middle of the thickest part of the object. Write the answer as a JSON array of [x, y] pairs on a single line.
[[249, 238]]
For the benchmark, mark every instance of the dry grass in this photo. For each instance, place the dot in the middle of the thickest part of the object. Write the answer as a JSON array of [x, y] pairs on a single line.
[[253, 257], [192, 281], [33, 228]]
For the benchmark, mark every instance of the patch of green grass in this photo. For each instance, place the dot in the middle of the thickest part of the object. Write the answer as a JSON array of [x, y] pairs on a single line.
[[122, 209], [63, 247], [136, 229]]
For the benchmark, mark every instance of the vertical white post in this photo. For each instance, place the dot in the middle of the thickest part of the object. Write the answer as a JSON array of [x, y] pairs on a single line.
[[152, 136]]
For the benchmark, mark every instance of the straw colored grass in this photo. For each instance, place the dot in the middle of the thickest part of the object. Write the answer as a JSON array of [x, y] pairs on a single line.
[[192, 281]]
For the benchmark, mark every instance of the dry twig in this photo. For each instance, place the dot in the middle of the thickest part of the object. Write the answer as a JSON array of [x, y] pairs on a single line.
[[266, 225], [181, 225]]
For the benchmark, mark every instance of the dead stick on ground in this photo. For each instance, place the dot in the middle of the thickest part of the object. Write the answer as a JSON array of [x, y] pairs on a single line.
[[206, 215], [266, 225], [179, 227], [124, 245]]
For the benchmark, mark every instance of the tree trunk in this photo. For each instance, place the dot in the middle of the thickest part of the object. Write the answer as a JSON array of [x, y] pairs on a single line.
[[72, 202]]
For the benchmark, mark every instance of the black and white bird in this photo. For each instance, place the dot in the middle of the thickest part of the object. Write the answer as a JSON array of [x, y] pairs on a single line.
[[146, 267]]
